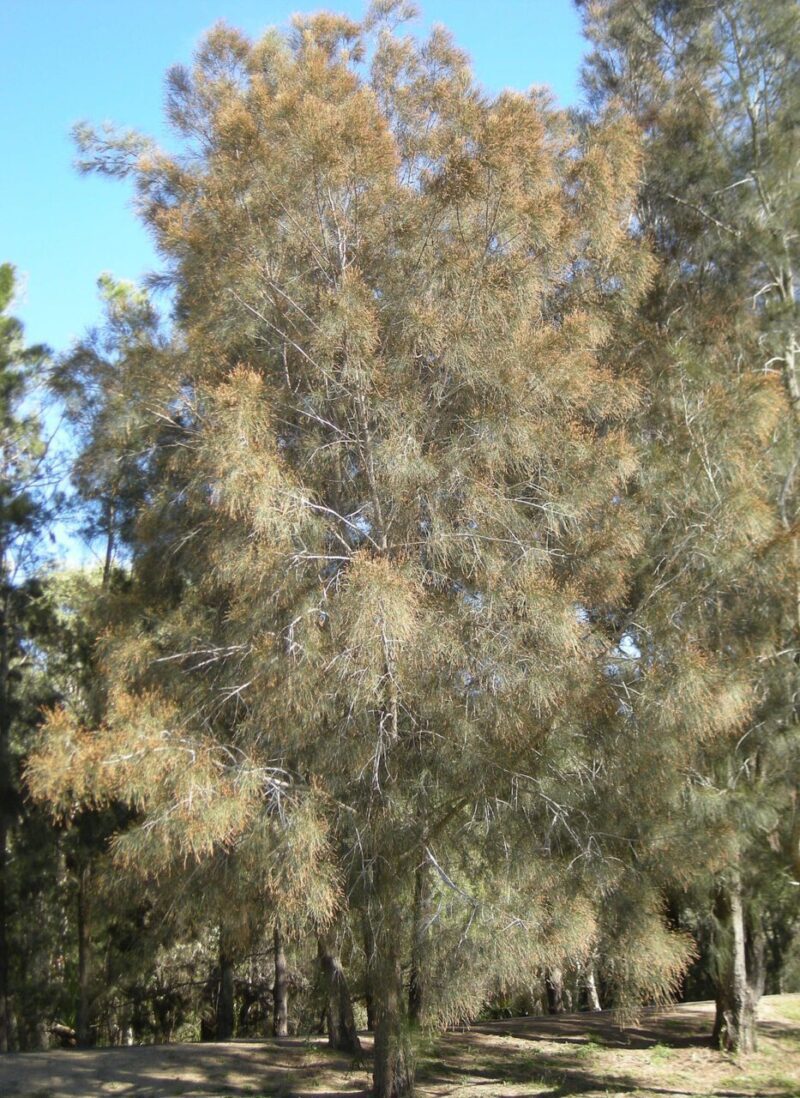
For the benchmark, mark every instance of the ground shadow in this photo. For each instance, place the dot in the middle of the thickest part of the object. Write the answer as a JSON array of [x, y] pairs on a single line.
[[288, 1069], [484, 1071], [553, 1057], [691, 1028]]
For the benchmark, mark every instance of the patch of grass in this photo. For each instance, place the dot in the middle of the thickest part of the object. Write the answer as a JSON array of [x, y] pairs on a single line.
[[761, 1082], [790, 1011], [585, 1051], [661, 1054], [739, 1080], [515, 1065], [595, 1040], [785, 1083]]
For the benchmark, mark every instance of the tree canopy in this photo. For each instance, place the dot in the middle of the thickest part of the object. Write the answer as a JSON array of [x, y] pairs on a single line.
[[448, 616]]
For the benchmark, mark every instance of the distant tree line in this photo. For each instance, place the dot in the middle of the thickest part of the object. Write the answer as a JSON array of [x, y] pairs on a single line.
[[441, 660]]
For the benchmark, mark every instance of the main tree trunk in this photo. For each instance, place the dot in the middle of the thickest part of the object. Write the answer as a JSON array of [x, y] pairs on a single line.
[[225, 995], [393, 1071], [738, 989]]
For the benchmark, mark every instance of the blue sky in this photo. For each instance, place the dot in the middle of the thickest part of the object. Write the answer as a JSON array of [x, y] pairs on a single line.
[[62, 61]]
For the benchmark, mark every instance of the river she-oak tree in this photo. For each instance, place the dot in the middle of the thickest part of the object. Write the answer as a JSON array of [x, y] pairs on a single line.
[[365, 655]]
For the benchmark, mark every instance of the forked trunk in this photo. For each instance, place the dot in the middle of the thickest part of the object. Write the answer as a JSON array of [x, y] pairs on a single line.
[[280, 989], [342, 1033]]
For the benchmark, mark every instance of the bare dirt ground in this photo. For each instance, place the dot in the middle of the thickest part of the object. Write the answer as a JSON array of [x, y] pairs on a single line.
[[667, 1056]]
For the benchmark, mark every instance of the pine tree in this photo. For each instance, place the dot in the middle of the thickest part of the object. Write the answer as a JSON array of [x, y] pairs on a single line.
[[714, 90], [390, 463]]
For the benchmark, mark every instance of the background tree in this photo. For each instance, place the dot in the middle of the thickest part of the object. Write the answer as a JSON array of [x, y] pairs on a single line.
[[109, 480], [25, 487], [714, 90]]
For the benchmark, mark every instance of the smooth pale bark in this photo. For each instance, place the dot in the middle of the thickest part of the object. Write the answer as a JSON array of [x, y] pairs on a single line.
[[280, 988], [225, 996], [592, 997], [339, 1017]]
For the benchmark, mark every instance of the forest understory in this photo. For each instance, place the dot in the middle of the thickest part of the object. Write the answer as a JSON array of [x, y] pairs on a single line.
[[667, 1054]]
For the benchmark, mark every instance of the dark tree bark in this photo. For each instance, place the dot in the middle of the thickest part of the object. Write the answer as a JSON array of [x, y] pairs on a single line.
[[82, 1023], [5, 801], [5, 1000], [393, 1075], [280, 988], [225, 996], [369, 974], [416, 984], [394, 1066], [342, 1033], [111, 512]]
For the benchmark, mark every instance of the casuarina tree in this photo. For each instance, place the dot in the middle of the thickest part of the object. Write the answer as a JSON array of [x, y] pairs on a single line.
[[362, 645], [713, 88]]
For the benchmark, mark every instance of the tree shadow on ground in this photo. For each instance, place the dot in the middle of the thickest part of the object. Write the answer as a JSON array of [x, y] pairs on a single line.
[[484, 1071], [280, 1069], [554, 1057], [687, 1030], [550, 1057]]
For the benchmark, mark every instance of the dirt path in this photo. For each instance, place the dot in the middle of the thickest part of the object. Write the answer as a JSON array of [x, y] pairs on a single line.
[[667, 1056], [289, 1067]]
